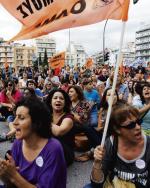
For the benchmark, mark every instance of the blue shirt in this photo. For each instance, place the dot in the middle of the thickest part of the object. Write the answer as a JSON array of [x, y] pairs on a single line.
[[93, 96]]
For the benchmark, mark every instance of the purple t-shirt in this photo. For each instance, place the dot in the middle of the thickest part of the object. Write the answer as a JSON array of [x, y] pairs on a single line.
[[48, 170]]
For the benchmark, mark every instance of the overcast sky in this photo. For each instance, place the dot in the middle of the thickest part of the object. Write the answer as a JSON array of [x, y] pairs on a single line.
[[88, 36]]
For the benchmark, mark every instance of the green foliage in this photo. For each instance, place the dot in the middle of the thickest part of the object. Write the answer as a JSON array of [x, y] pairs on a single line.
[[45, 61]]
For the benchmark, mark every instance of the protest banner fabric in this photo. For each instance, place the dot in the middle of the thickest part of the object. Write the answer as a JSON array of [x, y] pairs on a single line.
[[57, 61], [40, 17], [89, 63]]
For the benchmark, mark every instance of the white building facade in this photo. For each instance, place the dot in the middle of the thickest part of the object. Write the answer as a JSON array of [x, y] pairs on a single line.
[[142, 42], [45, 43], [75, 55]]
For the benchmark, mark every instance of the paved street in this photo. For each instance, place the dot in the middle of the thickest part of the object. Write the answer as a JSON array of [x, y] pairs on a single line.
[[78, 173]]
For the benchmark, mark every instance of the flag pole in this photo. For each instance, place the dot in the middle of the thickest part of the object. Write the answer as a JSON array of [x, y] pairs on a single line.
[[114, 85]]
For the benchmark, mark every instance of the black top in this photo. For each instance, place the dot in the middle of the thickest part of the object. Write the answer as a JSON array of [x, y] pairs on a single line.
[[136, 171]]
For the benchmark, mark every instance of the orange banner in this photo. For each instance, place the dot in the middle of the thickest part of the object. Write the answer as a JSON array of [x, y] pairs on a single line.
[[57, 61], [89, 63], [40, 17]]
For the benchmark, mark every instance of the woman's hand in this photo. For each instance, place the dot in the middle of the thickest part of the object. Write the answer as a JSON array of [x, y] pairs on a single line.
[[98, 153], [8, 93], [7, 168], [10, 176]]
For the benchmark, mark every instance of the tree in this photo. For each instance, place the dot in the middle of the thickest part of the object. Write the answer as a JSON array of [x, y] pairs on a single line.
[[45, 61], [40, 60]]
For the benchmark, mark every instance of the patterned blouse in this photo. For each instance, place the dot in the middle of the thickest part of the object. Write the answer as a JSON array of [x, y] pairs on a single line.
[[83, 109]]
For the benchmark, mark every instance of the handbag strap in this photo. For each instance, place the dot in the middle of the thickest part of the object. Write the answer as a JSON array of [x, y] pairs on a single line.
[[144, 114]]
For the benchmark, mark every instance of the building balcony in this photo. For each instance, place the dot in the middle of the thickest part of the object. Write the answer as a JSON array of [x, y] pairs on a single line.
[[143, 35], [142, 42], [142, 55], [141, 48]]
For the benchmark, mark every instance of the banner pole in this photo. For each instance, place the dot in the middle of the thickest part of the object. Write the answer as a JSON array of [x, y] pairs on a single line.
[[69, 49], [114, 85]]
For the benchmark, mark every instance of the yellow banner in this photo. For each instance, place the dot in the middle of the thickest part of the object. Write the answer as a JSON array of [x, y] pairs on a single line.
[[57, 61], [40, 17]]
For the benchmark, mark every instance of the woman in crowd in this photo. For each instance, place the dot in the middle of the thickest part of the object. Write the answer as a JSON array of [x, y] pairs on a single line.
[[8, 97], [36, 159], [126, 160], [95, 134], [104, 107], [47, 88], [132, 93], [23, 81], [59, 104], [143, 104], [28, 92], [80, 108]]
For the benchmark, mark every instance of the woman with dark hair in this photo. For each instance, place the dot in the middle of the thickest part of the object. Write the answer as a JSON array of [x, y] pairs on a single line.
[[8, 97], [126, 160], [104, 107], [143, 104], [29, 92], [36, 159], [59, 104], [79, 107], [133, 95], [94, 134]]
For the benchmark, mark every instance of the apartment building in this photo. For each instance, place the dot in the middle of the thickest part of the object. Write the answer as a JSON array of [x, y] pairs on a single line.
[[142, 42], [6, 53], [75, 55], [45, 43], [23, 55]]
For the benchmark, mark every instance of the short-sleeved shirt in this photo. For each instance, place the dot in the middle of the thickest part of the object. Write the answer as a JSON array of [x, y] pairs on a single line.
[[93, 96], [48, 170]]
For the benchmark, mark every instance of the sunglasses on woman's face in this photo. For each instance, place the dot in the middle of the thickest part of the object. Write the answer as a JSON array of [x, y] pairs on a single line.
[[132, 124], [10, 85]]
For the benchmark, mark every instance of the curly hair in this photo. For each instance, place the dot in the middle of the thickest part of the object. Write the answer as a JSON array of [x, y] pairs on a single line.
[[139, 89], [67, 105], [40, 115]]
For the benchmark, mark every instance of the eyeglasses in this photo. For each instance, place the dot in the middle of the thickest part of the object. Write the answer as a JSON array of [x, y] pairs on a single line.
[[10, 85], [132, 124]]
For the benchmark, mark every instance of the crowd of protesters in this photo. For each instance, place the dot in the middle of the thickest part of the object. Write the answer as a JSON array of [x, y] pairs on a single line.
[[52, 113]]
